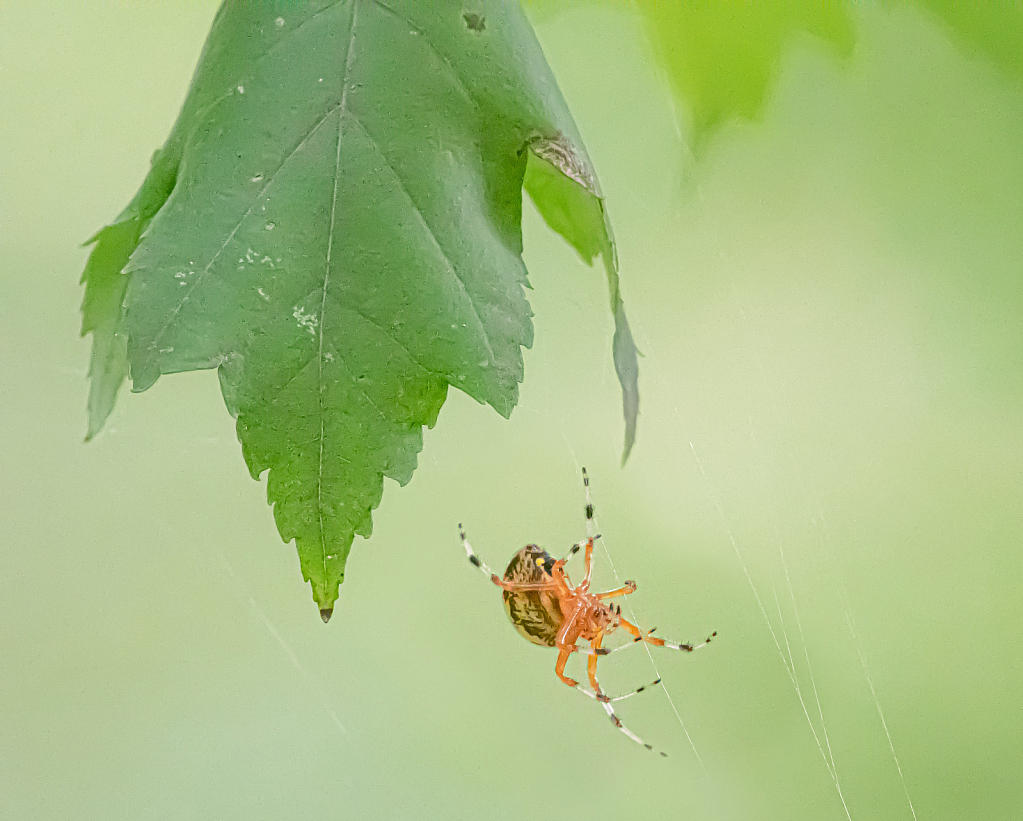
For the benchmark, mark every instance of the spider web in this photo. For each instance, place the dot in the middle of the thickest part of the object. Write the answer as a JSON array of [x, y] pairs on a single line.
[[778, 599], [791, 645]]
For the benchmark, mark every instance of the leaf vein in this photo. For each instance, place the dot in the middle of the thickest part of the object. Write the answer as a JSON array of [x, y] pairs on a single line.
[[259, 196], [241, 80], [443, 57], [429, 229], [342, 107]]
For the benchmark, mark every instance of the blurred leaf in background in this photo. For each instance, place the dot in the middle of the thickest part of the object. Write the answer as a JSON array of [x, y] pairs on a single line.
[[720, 58], [994, 30]]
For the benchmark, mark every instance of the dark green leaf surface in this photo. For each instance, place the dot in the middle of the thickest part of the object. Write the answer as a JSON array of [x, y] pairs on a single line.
[[334, 223]]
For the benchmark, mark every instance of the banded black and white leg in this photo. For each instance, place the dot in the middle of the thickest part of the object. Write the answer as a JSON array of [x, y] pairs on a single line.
[[607, 701], [574, 549], [618, 723], [591, 529], [475, 560], [658, 642], [485, 569], [604, 698]]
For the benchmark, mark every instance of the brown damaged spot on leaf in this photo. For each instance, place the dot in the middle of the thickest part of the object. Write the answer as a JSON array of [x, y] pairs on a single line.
[[559, 153]]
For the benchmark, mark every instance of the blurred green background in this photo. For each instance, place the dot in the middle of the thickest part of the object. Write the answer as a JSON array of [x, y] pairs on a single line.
[[830, 304]]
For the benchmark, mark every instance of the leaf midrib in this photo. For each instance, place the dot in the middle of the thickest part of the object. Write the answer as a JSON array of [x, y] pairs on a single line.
[[342, 107]]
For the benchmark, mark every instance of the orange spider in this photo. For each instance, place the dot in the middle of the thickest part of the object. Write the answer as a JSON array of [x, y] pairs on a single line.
[[547, 610]]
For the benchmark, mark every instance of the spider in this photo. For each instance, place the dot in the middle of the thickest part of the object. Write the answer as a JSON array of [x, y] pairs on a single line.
[[547, 610]]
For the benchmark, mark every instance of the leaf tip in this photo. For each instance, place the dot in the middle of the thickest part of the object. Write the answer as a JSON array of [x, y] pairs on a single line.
[[326, 613], [630, 440], [95, 426]]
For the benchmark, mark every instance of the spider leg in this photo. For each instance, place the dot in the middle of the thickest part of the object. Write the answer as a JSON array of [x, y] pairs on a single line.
[[633, 643], [624, 590], [591, 663], [591, 668], [639, 635], [586, 651], [591, 532], [603, 697], [511, 587], [475, 559], [559, 667], [618, 723], [577, 547], [518, 587], [565, 642], [605, 701]]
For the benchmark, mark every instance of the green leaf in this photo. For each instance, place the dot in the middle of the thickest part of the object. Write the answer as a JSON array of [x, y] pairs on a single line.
[[334, 223], [994, 30], [105, 286], [101, 315], [720, 57], [568, 197]]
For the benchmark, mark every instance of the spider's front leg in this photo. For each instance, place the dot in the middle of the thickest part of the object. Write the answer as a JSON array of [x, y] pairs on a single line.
[[475, 560], [511, 587]]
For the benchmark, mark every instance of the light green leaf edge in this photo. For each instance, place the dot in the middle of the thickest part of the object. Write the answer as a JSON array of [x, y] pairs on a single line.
[[567, 195]]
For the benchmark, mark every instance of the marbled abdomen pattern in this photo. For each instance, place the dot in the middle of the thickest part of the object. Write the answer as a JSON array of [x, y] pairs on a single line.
[[536, 614]]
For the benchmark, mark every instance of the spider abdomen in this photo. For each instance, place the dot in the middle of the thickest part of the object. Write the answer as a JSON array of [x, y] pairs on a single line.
[[536, 614]]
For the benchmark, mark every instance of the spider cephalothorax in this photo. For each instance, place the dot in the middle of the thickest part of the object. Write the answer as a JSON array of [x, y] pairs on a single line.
[[547, 610]]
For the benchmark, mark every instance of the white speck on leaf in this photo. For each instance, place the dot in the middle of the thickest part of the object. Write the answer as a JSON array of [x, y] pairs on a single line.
[[241, 89], [280, 22], [307, 321], [252, 257], [262, 293]]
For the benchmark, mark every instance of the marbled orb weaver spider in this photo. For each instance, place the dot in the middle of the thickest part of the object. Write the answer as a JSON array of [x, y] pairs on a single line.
[[547, 610]]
